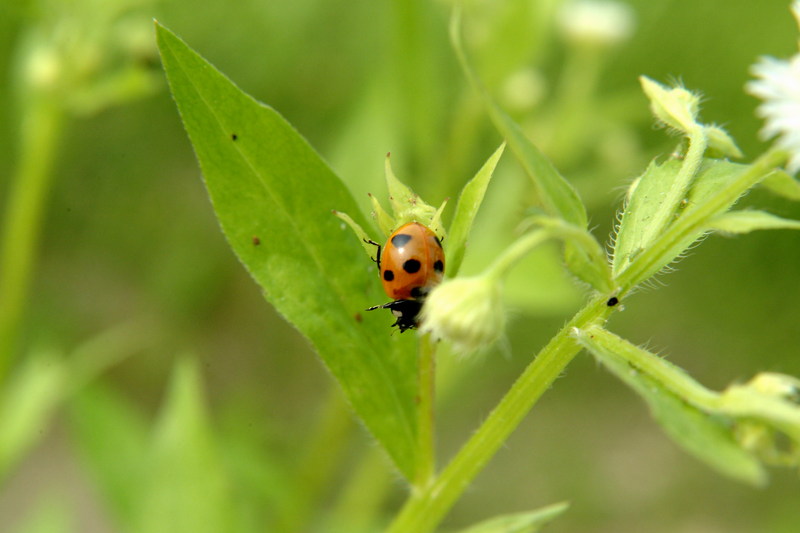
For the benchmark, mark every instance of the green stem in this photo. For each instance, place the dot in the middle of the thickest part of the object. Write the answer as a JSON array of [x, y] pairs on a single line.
[[518, 249], [695, 221], [426, 508], [426, 441], [612, 347], [39, 136]]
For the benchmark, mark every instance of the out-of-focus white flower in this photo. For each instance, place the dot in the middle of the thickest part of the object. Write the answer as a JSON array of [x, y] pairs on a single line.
[[778, 85], [467, 312], [598, 22]]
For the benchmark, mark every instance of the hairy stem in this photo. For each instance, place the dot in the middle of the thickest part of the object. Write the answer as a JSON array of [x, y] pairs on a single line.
[[514, 253], [696, 221], [426, 441], [426, 508]]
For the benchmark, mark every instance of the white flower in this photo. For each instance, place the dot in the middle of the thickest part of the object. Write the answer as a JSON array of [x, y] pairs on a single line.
[[778, 85], [601, 22], [467, 312]]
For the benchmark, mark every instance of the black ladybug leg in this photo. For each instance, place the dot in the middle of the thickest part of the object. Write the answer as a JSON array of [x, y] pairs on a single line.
[[378, 256]]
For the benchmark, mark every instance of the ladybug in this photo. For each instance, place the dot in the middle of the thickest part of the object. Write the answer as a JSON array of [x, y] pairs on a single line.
[[411, 263]]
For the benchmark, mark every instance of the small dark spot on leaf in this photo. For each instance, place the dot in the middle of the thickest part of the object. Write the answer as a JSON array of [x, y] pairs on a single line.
[[358, 317], [234, 136], [256, 240]]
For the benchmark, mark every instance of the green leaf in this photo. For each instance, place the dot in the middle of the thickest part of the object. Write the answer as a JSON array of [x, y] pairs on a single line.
[[672, 396], [468, 204], [273, 196], [26, 404], [644, 200], [750, 220], [556, 195], [529, 522], [721, 144], [187, 488], [112, 436], [781, 183]]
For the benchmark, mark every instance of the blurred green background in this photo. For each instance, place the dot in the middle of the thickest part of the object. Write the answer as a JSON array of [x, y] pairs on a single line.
[[128, 235]]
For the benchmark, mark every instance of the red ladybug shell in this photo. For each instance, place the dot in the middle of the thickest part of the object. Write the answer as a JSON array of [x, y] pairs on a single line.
[[412, 262]]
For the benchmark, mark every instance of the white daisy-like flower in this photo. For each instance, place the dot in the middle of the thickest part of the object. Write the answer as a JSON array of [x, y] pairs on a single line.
[[778, 85]]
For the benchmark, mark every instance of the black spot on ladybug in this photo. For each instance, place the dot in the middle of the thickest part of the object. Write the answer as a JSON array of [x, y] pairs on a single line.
[[400, 240], [412, 266], [234, 136], [612, 301], [388, 275], [438, 266], [417, 292]]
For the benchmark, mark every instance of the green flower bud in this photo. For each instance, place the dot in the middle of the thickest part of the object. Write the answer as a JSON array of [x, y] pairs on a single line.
[[676, 108]]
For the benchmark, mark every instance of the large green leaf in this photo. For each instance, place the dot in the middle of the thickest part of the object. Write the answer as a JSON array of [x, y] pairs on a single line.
[[273, 196]]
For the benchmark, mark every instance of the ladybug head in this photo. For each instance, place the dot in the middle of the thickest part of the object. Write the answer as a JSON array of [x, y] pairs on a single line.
[[406, 313]]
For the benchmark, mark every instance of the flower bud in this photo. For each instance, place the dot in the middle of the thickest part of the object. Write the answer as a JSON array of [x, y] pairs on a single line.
[[676, 108], [467, 312]]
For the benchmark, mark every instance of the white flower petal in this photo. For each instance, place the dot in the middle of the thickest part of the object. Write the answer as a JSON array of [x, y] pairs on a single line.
[[777, 83]]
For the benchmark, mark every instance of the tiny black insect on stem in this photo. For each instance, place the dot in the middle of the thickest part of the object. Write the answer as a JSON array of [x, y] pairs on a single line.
[[612, 301]]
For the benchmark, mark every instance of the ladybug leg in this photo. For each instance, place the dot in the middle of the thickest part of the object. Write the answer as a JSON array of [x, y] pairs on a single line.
[[378, 256]]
